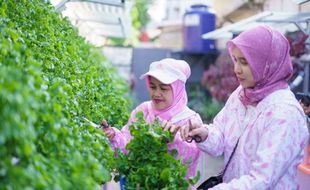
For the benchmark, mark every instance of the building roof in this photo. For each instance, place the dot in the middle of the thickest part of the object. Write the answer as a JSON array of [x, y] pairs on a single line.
[[108, 18], [282, 20]]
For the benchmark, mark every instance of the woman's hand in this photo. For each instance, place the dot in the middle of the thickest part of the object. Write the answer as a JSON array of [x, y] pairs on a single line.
[[168, 126], [194, 129]]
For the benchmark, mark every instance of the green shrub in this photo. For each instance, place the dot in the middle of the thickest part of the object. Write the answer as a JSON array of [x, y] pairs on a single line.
[[49, 79]]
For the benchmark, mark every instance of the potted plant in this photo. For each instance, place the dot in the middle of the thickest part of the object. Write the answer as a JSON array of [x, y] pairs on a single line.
[[149, 164]]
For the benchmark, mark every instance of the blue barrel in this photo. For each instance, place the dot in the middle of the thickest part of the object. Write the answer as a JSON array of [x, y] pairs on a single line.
[[198, 20]]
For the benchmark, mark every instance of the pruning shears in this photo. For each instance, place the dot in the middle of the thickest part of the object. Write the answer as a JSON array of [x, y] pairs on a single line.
[[102, 125], [196, 138]]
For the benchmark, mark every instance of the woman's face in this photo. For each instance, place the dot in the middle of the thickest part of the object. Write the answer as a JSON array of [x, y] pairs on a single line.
[[161, 94], [242, 69]]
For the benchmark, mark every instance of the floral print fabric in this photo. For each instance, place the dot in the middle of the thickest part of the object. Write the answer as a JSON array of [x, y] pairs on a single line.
[[273, 137]]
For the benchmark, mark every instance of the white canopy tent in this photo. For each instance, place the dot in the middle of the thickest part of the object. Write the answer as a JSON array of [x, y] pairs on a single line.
[[97, 19]]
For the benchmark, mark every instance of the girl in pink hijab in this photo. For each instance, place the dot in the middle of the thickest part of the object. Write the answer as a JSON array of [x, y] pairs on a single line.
[[262, 128], [166, 84]]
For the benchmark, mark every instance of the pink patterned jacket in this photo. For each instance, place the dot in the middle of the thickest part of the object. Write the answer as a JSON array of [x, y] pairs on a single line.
[[273, 137]]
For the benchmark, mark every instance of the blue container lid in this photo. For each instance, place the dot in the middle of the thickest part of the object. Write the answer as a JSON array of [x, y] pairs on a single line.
[[199, 6], [200, 9]]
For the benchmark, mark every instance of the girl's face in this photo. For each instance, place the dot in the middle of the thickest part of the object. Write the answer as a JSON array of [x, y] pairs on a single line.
[[161, 94], [242, 69]]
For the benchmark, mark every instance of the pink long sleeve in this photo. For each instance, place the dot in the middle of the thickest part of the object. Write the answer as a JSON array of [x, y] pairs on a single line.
[[121, 138]]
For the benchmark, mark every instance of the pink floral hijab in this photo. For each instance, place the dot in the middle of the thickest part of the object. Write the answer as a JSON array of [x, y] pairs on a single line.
[[267, 52]]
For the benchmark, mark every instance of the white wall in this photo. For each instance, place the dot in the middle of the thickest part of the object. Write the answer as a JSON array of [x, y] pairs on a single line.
[[281, 5], [173, 9], [224, 7]]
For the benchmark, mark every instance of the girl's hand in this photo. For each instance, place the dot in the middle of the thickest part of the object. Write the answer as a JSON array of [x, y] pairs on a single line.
[[194, 129]]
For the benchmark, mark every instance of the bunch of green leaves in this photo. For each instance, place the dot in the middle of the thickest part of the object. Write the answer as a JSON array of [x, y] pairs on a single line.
[[50, 79], [149, 164]]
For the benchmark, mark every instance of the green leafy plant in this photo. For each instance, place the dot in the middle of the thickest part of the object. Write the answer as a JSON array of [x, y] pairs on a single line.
[[149, 164], [50, 79]]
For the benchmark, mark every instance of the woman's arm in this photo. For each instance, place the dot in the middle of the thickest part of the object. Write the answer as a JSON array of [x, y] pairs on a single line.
[[121, 138], [214, 142]]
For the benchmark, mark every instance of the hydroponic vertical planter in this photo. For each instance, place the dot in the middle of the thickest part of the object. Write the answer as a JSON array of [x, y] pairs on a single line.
[[50, 79]]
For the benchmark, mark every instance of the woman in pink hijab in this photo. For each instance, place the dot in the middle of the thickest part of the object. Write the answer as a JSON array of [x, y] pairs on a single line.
[[262, 128], [166, 84]]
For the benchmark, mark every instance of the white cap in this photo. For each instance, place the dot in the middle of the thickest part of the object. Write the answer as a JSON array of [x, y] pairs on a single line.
[[165, 72]]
